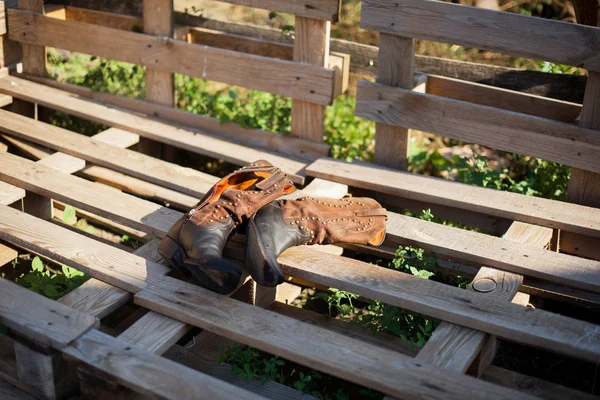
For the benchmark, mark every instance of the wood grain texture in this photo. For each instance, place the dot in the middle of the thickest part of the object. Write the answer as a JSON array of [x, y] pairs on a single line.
[[480, 249], [96, 298], [117, 137], [64, 163], [7, 254], [78, 192], [158, 21], [178, 136], [34, 56], [148, 374], [512, 206], [311, 46], [500, 129], [270, 141], [502, 32], [154, 332], [10, 194], [537, 328], [173, 176], [106, 263], [364, 364], [505, 99], [10, 392], [394, 68], [305, 82], [453, 347], [327, 10], [40, 319]]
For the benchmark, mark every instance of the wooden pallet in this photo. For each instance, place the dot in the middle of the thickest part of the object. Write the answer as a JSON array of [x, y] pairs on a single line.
[[56, 347]]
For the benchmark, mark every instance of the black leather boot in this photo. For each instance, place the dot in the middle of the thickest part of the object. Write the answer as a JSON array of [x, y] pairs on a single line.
[[194, 245]]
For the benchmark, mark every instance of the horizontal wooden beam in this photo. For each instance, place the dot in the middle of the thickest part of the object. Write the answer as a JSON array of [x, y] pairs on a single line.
[[503, 32], [328, 10], [512, 206], [500, 129], [536, 328], [191, 139], [299, 81], [148, 374], [505, 99], [365, 364], [40, 319]]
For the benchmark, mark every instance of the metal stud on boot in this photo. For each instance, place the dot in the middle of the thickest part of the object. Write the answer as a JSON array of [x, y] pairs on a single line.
[[286, 223], [194, 245]]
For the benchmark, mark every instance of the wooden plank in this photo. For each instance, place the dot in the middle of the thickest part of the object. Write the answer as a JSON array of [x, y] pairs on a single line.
[[173, 176], [10, 194], [502, 32], [455, 348], [394, 68], [178, 136], [117, 137], [500, 129], [305, 82], [327, 10], [311, 46], [10, 392], [64, 163], [7, 254], [41, 320], [2, 18], [96, 298], [365, 364], [234, 133], [166, 379], [537, 328], [160, 85], [78, 192], [118, 268], [505, 99], [34, 56], [155, 333], [513, 206]]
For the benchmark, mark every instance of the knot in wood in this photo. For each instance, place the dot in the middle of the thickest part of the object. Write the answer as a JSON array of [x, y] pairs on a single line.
[[484, 285]]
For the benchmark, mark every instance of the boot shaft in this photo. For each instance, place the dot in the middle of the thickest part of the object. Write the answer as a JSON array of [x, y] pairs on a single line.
[[348, 220], [241, 193]]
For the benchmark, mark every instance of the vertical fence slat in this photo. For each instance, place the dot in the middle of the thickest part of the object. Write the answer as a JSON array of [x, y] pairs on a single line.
[[160, 85], [394, 68], [311, 46]]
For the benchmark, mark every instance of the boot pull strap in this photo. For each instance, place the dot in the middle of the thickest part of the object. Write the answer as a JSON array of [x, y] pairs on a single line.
[[276, 177]]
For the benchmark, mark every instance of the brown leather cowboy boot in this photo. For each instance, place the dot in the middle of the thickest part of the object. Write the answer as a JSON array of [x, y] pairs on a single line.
[[194, 244], [286, 223]]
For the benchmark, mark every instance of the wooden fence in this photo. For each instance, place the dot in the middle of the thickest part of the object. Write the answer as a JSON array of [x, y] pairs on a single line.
[[56, 348]]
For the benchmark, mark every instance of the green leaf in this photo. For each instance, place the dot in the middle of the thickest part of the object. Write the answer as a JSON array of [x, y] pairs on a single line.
[[50, 291], [37, 264], [90, 229], [69, 215]]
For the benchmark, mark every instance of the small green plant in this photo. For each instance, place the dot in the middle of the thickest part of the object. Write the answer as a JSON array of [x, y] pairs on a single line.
[[340, 300], [248, 362], [69, 216], [51, 284]]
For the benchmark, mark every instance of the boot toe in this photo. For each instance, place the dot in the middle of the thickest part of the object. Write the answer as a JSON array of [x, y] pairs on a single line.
[[215, 274]]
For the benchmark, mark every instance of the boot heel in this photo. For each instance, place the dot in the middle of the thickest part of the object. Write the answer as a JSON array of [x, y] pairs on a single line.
[[173, 253]]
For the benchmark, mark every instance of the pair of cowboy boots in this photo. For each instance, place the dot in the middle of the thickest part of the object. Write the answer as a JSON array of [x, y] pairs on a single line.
[[247, 198]]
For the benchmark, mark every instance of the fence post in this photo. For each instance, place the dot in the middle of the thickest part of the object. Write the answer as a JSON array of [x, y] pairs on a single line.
[[311, 46], [160, 85], [394, 68]]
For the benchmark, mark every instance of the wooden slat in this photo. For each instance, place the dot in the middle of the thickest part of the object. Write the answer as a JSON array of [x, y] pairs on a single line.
[[145, 373], [96, 298], [10, 194], [117, 137], [394, 68], [104, 262], [503, 98], [327, 10], [454, 347], [502, 32], [7, 254], [10, 392], [87, 195], [155, 332], [40, 319], [364, 364], [513, 206], [185, 180], [305, 82], [34, 56], [270, 141], [311, 46], [189, 139], [533, 327], [500, 129]]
